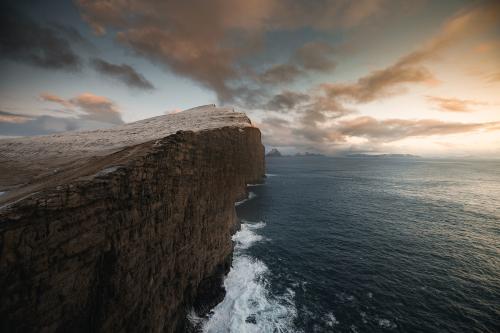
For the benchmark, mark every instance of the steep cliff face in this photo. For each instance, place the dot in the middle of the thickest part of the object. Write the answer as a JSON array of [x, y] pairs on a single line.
[[130, 233]]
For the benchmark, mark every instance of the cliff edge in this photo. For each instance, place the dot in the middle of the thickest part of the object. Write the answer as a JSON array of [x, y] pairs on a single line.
[[123, 229]]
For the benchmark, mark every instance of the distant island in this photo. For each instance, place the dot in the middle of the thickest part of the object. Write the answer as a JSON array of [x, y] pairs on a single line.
[[384, 155], [308, 154], [274, 153]]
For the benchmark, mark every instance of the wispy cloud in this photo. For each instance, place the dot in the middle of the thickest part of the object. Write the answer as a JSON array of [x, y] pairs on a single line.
[[91, 107], [123, 73], [454, 104], [8, 117]]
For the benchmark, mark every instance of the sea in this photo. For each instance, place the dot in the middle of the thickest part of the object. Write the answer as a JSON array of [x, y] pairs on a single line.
[[366, 244]]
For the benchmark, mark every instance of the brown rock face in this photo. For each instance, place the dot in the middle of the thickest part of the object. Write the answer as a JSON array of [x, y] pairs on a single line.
[[134, 246]]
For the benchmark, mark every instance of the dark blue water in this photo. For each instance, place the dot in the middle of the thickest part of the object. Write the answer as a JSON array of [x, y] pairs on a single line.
[[368, 245]]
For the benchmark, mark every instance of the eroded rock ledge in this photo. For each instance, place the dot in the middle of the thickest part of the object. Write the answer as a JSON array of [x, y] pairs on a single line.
[[123, 229]]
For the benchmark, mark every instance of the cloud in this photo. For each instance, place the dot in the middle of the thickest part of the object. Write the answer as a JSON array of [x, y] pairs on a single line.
[[91, 107], [286, 100], [396, 129], [465, 24], [123, 73], [209, 41], [283, 73], [495, 77], [55, 99], [38, 125], [379, 84], [83, 112], [318, 114], [409, 68], [314, 135], [316, 56], [7, 117], [312, 56], [13, 124], [325, 15], [453, 104], [22, 39]]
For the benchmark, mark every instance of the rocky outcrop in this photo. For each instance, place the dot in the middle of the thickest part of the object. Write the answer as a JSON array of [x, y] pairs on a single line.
[[274, 153], [126, 229]]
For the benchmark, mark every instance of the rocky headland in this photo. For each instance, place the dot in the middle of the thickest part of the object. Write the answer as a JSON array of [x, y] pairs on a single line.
[[125, 229]]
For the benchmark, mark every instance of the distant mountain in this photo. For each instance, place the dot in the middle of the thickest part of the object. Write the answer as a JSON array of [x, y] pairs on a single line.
[[274, 153], [308, 154], [384, 155]]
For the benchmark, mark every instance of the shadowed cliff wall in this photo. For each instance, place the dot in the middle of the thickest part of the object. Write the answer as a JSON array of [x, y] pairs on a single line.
[[133, 247]]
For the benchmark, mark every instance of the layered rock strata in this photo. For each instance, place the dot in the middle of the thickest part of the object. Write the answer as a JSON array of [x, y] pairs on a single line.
[[125, 229]]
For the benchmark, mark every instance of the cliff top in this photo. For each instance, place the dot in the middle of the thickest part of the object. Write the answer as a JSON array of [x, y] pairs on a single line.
[[24, 159]]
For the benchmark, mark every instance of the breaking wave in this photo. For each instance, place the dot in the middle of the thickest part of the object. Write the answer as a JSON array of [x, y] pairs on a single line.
[[248, 305], [251, 195]]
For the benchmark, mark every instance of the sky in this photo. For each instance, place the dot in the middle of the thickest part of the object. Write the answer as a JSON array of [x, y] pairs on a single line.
[[328, 76]]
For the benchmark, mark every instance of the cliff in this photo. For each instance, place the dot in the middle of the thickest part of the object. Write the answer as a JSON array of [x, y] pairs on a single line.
[[124, 229]]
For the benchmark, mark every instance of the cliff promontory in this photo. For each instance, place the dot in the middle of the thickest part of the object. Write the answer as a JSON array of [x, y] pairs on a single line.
[[125, 229]]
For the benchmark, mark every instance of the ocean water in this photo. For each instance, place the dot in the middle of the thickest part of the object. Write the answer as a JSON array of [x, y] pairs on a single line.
[[366, 245]]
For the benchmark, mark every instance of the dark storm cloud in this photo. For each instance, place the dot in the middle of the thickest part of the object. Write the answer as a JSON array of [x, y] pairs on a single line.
[[124, 73], [25, 40]]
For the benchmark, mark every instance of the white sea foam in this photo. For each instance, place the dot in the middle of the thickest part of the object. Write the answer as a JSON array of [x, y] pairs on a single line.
[[258, 184], [330, 319], [251, 195], [246, 237], [270, 175], [248, 305], [386, 323]]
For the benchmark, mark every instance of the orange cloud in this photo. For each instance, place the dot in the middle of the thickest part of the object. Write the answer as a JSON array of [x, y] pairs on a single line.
[[97, 108], [47, 97], [379, 84], [396, 129], [408, 69], [453, 104], [207, 40]]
